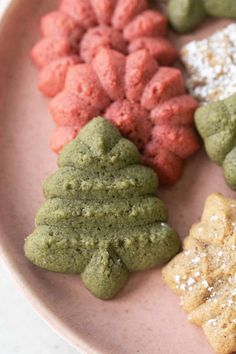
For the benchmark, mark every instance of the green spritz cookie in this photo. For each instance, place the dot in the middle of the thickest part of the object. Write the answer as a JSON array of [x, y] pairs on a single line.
[[186, 15], [220, 8], [216, 123], [101, 218]]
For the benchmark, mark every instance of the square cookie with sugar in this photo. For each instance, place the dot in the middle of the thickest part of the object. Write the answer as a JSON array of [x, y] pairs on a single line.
[[204, 274], [211, 65]]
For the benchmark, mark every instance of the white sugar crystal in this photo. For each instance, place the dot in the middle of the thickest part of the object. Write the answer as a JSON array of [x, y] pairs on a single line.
[[177, 278], [212, 322], [197, 274], [205, 284], [214, 218], [213, 294], [190, 281], [186, 253], [196, 260], [211, 65], [183, 287], [200, 229]]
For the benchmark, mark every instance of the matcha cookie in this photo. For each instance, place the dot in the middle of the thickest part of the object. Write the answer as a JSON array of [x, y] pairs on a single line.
[[204, 274], [220, 8], [101, 218], [216, 124], [186, 15]]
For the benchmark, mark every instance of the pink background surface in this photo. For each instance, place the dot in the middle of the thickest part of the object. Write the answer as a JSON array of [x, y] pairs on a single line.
[[145, 317]]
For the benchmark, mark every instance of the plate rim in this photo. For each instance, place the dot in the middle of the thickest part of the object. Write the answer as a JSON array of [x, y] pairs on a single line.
[[48, 317], [75, 339]]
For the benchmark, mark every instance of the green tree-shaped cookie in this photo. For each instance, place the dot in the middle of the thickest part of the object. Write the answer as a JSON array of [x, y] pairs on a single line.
[[101, 218], [216, 123]]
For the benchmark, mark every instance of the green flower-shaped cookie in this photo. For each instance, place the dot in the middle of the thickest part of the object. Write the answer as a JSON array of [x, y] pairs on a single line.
[[216, 124], [185, 15], [101, 219]]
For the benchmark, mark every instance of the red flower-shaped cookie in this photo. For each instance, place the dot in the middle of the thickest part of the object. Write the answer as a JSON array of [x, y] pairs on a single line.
[[103, 57], [145, 101], [79, 28]]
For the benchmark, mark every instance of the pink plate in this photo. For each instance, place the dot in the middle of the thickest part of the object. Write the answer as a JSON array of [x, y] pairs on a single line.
[[145, 317]]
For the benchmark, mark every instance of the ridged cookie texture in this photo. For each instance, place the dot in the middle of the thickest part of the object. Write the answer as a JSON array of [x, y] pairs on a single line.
[[204, 274], [77, 29], [146, 102], [111, 58], [101, 218], [216, 123]]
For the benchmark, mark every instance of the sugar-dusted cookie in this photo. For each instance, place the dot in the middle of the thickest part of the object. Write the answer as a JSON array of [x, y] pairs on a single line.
[[211, 65], [101, 218], [204, 274], [216, 123]]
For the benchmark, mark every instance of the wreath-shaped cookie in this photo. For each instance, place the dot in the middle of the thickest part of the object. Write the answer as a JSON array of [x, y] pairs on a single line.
[[76, 31], [145, 101], [110, 58]]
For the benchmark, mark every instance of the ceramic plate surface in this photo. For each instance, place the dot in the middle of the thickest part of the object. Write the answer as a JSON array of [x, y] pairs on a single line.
[[146, 317]]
